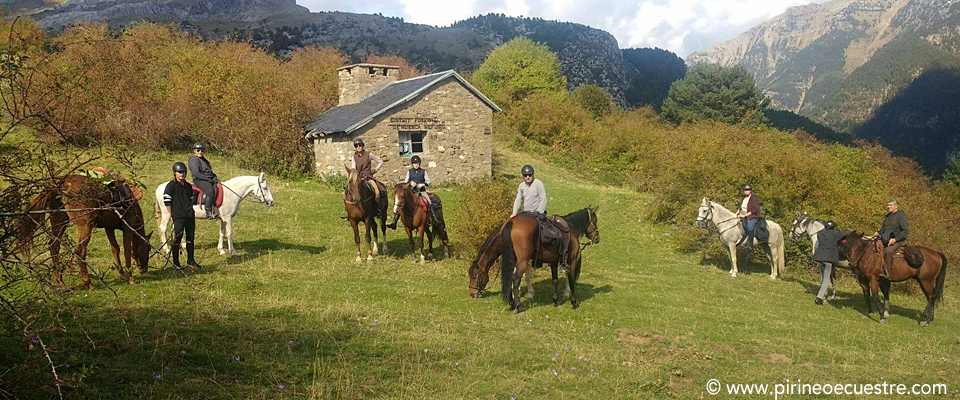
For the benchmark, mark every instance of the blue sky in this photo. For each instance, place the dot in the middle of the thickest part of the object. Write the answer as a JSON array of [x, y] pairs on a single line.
[[682, 26]]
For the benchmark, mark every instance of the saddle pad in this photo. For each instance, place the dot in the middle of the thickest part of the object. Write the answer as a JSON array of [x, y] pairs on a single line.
[[219, 200]]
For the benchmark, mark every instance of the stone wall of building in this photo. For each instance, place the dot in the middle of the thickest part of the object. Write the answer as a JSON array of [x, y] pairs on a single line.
[[457, 145], [358, 80]]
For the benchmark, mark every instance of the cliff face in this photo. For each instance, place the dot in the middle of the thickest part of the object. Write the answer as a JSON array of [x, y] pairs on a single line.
[[863, 67]]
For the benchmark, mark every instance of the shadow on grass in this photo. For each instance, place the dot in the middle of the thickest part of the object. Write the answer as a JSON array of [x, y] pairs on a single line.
[[855, 301], [747, 263]]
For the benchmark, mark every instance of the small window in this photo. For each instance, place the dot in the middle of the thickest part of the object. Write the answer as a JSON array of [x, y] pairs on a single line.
[[411, 142], [371, 71]]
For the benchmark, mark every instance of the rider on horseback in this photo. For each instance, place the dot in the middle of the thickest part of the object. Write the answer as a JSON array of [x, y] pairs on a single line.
[[419, 180], [203, 177], [531, 195], [178, 197], [893, 234], [750, 212], [363, 162]]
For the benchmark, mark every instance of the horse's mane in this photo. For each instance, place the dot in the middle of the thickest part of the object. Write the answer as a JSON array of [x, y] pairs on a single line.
[[578, 220], [486, 243]]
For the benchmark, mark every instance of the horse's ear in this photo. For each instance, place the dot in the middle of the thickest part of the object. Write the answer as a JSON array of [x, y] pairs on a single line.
[[261, 177], [346, 168], [595, 209]]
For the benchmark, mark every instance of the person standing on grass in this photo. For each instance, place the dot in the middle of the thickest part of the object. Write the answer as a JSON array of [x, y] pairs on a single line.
[[531, 195], [827, 255], [179, 198]]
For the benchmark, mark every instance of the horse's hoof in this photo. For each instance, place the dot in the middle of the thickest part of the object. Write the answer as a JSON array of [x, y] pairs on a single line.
[[359, 260], [130, 281], [924, 323], [234, 254], [370, 259], [576, 306], [834, 297], [883, 320], [773, 278], [223, 252]]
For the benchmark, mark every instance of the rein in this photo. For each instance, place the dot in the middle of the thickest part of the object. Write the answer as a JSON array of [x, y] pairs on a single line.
[[259, 195]]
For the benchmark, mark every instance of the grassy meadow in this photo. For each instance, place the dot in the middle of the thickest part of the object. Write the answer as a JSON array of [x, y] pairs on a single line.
[[293, 316]]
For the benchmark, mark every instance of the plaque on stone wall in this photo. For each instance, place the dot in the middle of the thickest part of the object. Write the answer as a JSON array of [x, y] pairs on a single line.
[[416, 123]]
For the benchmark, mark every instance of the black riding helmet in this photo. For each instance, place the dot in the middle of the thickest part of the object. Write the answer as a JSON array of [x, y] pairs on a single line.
[[831, 225], [179, 167], [199, 146], [747, 187], [415, 160], [526, 170], [358, 142]]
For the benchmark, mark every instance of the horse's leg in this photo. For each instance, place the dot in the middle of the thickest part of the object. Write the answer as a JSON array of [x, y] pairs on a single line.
[[383, 228], [928, 288], [875, 294], [84, 232], [572, 281], [356, 236], [115, 248], [376, 236], [223, 234], [430, 234], [732, 248], [366, 225], [773, 261], [420, 235], [530, 293], [521, 268], [413, 245], [128, 254], [229, 224], [162, 227], [885, 289], [554, 275]]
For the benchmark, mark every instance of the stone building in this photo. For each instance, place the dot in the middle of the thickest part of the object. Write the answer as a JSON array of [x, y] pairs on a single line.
[[439, 117]]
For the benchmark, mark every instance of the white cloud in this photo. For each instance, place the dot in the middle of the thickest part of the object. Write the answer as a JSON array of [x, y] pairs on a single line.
[[682, 26]]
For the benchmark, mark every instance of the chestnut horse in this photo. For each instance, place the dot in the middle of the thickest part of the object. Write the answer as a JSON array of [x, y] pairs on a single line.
[[363, 207], [866, 261], [522, 249], [488, 254], [415, 218], [76, 192]]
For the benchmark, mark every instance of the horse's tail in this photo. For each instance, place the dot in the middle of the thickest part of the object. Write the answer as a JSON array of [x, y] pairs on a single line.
[[781, 260], [938, 289], [508, 264], [46, 200]]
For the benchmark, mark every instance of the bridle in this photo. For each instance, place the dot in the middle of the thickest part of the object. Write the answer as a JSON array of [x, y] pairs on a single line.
[[709, 216], [801, 220], [261, 197]]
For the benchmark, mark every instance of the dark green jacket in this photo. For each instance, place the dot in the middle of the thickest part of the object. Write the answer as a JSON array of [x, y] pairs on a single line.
[[895, 226], [827, 249]]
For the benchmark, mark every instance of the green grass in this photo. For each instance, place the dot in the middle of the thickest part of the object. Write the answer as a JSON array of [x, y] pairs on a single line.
[[653, 323]]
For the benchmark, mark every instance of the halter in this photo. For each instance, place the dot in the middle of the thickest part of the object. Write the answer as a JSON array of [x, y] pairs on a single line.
[[354, 201], [804, 219], [260, 195], [709, 217]]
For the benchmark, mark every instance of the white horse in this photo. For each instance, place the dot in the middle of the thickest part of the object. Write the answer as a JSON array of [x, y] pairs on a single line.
[[810, 226], [728, 229], [234, 191]]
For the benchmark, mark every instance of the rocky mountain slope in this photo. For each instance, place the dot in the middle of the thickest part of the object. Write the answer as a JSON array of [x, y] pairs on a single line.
[[841, 61]]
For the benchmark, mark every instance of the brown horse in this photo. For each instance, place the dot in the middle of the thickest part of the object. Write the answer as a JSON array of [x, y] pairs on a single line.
[[362, 206], [76, 192], [866, 261], [416, 218], [522, 249], [489, 253]]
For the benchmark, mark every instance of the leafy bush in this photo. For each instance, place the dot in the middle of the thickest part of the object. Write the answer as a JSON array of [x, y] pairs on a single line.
[[593, 99], [487, 203], [156, 87]]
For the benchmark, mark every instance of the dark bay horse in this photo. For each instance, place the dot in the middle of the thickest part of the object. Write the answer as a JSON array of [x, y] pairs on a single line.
[[415, 218], [522, 249], [75, 192], [866, 261], [362, 206]]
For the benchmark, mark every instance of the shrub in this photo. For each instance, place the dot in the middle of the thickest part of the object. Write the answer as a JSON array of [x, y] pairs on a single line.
[[485, 204], [711, 92], [593, 99], [519, 69]]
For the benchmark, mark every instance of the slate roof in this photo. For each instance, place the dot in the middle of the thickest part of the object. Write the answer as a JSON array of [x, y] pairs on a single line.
[[351, 117]]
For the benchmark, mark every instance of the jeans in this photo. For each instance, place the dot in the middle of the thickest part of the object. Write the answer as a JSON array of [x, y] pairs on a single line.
[[181, 226], [826, 269], [751, 224]]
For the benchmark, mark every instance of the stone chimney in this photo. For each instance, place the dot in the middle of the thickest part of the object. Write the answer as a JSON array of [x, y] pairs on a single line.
[[359, 80]]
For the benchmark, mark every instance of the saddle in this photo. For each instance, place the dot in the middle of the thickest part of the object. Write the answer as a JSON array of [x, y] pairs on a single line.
[[760, 232], [553, 231], [910, 254], [217, 194], [121, 193]]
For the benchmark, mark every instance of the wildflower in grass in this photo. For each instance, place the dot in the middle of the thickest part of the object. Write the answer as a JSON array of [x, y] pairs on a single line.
[[269, 336], [768, 341], [34, 341], [572, 369], [159, 378], [554, 372], [166, 368], [290, 343], [591, 370], [425, 351], [283, 387], [554, 359], [67, 366], [670, 351], [183, 323], [180, 313], [456, 364], [448, 349]]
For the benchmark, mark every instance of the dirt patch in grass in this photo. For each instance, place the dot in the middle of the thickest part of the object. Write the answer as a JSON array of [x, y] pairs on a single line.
[[637, 338]]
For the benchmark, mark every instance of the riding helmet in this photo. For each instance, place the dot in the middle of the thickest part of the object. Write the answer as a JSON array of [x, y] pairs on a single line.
[[747, 187], [415, 160], [526, 170], [358, 142], [179, 167], [831, 225], [199, 146]]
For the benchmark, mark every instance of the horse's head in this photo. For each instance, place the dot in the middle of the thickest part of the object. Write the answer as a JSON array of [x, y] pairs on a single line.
[[593, 230], [798, 227], [854, 247], [263, 191], [353, 183], [704, 213], [141, 251], [478, 280], [399, 196]]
